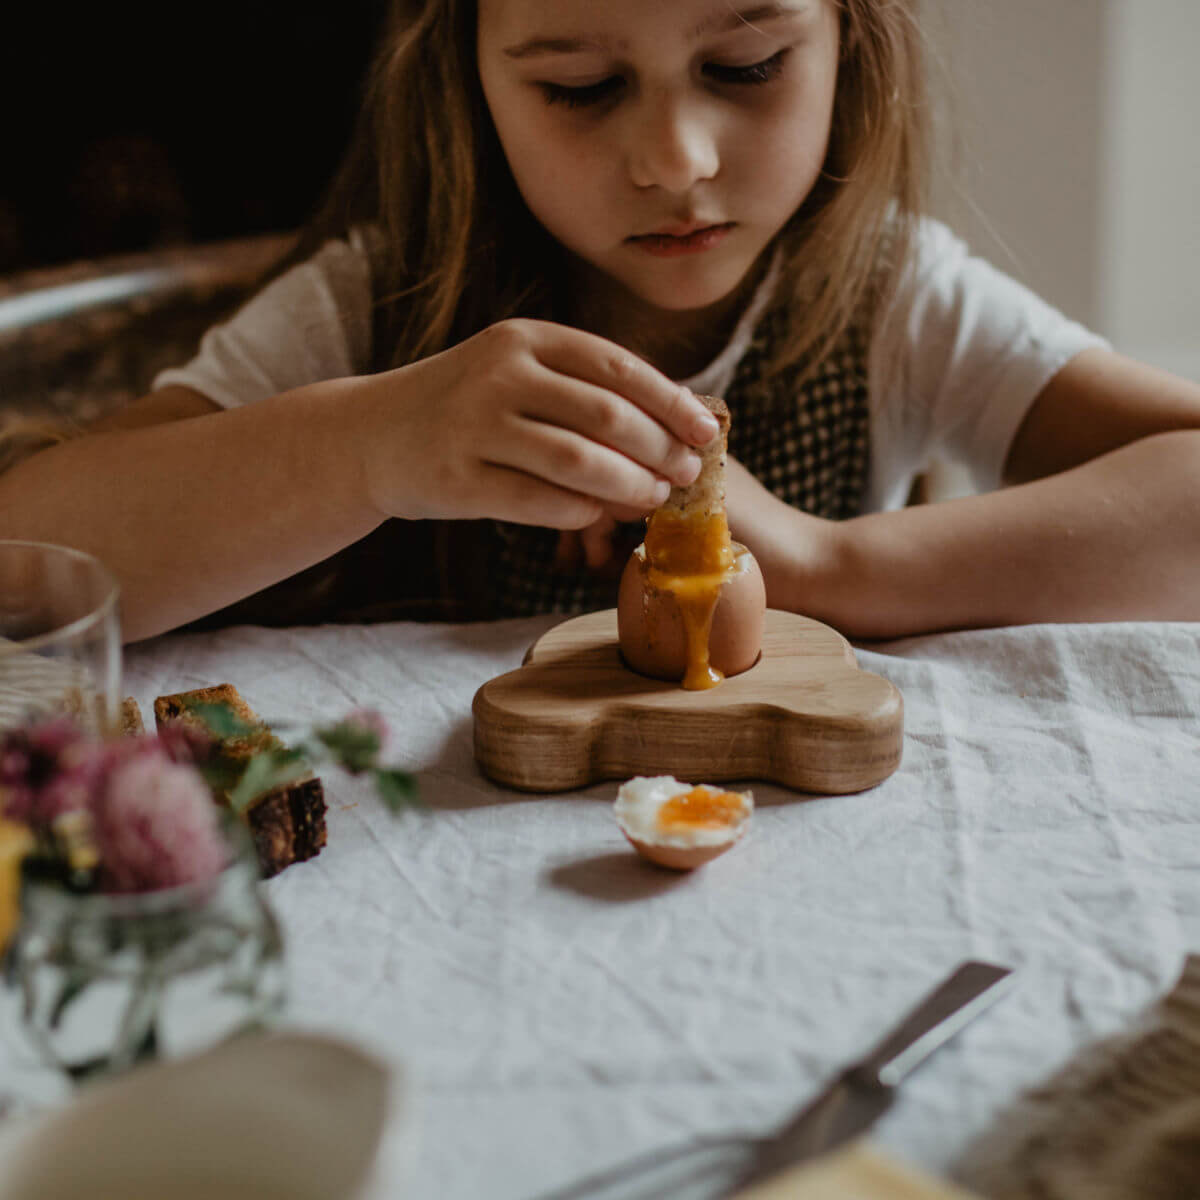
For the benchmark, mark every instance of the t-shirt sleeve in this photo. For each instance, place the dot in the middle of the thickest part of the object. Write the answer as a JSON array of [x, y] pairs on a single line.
[[956, 362], [311, 323]]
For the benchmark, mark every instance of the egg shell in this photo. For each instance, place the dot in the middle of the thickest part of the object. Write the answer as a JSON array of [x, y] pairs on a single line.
[[638, 808], [681, 858], [650, 627]]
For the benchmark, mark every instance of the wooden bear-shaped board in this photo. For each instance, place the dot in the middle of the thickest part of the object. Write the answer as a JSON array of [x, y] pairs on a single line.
[[805, 715]]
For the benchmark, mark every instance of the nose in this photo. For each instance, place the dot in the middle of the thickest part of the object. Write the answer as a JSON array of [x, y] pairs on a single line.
[[672, 145]]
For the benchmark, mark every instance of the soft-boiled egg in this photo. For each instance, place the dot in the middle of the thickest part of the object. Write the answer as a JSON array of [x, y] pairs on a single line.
[[677, 824], [697, 628], [692, 601]]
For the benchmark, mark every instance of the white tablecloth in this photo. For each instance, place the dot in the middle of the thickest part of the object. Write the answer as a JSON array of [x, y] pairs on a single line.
[[559, 1004]]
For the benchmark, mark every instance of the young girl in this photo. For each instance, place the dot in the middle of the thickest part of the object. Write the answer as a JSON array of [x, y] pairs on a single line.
[[558, 222]]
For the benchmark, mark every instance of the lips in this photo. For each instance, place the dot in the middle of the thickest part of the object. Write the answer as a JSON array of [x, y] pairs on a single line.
[[682, 238]]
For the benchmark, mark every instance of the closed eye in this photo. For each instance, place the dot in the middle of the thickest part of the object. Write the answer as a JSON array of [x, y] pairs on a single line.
[[580, 97], [608, 89], [759, 72]]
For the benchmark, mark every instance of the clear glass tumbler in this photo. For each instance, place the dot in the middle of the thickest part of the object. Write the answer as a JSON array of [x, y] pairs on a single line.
[[60, 636]]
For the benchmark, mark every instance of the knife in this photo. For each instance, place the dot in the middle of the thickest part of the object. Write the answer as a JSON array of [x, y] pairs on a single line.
[[863, 1091], [856, 1098]]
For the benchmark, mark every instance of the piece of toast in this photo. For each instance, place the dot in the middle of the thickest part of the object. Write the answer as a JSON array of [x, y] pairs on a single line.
[[705, 495], [287, 823], [131, 717]]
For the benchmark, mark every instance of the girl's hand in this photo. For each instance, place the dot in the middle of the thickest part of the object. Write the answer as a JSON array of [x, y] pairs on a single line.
[[532, 422], [604, 545]]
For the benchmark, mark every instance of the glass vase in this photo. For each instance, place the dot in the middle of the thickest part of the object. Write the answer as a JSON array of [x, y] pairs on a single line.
[[107, 980]]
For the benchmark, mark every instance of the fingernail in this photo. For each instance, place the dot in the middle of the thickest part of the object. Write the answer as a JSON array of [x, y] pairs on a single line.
[[705, 428], [689, 469], [662, 489]]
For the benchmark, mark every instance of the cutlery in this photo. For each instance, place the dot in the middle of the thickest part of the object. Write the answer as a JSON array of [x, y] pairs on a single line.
[[849, 1105], [866, 1089]]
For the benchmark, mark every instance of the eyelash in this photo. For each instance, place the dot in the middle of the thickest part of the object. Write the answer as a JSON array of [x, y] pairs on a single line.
[[753, 75]]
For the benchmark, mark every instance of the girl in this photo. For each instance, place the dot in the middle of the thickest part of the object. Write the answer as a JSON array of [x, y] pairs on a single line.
[[557, 222]]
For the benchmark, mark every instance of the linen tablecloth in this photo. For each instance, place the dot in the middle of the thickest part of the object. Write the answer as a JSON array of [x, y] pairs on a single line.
[[557, 1004]]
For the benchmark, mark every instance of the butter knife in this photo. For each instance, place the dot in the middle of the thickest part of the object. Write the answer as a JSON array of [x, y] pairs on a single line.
[[856, 1098], [861, 1093]]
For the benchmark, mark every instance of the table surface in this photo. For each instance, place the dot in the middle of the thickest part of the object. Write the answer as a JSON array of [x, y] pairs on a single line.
[[557, 1004]]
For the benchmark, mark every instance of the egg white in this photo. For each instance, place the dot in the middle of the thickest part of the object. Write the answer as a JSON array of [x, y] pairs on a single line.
[[639, 800]]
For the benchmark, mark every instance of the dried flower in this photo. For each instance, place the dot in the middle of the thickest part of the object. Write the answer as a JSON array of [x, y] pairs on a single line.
[[149, 810], [156, 826], [148, 799]]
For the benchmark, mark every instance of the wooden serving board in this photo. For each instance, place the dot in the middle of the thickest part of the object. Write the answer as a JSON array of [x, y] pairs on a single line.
[[805, 715]]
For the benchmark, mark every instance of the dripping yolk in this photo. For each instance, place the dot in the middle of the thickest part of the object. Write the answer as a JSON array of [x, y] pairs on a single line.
[[701, 808], [682, 544], [691, 556]]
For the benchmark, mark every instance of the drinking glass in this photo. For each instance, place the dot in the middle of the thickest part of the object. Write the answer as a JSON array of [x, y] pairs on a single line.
[[60, 637]]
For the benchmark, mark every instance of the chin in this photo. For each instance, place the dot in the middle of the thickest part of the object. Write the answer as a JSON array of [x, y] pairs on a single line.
[[685, 291]]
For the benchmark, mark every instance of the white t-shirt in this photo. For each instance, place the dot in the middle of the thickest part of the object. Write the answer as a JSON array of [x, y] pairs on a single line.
[[961, 354]]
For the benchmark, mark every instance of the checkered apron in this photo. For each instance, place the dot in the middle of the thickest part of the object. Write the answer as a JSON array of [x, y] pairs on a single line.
[[807, 443]]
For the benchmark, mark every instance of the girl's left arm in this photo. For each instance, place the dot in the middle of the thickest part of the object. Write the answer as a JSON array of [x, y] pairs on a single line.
[[1101, 523]]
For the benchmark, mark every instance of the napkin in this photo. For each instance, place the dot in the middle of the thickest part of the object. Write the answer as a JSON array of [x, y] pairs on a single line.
[[856, 1172], [259, 1117], [1120, 1122]]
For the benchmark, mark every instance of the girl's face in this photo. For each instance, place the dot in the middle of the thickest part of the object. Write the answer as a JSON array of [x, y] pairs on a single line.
[[662, 142]]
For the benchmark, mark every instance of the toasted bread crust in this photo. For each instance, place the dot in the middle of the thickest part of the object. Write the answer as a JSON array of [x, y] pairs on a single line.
[[131, 717], [181, 707], [287, 824], [705, 495]]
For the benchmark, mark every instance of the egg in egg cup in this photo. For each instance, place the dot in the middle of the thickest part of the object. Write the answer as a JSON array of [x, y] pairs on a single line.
[[692, 602]]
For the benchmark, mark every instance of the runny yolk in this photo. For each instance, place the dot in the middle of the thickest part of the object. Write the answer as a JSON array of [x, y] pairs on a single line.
[[691, 556], [700, 809]]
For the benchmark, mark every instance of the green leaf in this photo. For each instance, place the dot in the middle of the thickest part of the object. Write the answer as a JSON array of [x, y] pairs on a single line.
[[222, 721], [352, 745], [397, 789], [265, 772]]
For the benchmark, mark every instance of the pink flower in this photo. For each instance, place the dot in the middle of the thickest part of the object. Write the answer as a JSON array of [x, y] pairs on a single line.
[[45, 769], [370, 720], [152, 813], [156, 826]]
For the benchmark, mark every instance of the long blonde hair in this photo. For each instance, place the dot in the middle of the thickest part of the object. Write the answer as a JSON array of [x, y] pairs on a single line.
[[460, 250]]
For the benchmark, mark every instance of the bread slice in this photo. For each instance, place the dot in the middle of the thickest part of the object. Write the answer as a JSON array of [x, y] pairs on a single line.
[[705, 495], [131, 717], [287, 823]]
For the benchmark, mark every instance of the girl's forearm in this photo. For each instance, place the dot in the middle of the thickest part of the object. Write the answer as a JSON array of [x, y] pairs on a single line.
[[194, 514], [1117, 538]]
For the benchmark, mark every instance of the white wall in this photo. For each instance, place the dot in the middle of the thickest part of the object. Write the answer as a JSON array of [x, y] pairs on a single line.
[[1075, 160], [1149, 280]]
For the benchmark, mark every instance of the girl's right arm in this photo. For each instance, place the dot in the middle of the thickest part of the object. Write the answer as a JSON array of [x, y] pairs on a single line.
[[194, 507]]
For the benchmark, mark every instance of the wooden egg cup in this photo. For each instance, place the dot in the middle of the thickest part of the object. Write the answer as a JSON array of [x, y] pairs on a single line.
[[805, 715]]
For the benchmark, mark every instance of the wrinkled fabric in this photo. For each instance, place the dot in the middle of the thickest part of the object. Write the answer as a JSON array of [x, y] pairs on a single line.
[[557, 1004]]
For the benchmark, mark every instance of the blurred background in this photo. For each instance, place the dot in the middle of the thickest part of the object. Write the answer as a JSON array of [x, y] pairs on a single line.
[[1070, 157], [1076, 162], [129, 127]]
